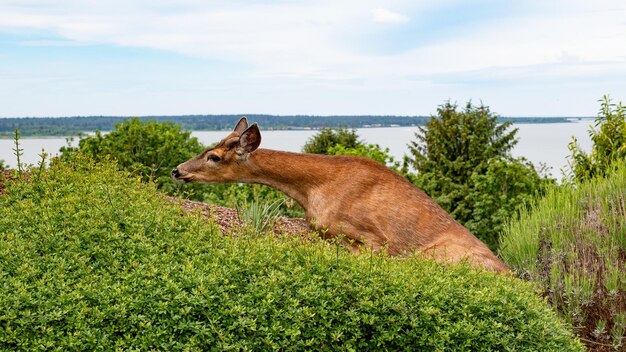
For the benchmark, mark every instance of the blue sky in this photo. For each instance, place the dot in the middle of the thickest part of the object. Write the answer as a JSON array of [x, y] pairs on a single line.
[[147, 57]]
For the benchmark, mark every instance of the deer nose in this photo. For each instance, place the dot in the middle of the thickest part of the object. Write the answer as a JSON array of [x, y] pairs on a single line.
[[175, 173]]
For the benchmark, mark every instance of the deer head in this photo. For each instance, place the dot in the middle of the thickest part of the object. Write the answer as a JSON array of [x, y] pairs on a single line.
[[223, 162]]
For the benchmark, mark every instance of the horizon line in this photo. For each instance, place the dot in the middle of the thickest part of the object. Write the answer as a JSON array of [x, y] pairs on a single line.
[[280, 115]]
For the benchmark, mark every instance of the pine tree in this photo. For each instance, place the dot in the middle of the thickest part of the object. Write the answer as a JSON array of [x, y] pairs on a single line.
[[463, 159]]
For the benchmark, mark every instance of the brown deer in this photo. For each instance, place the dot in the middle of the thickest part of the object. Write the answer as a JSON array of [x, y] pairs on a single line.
[[357, 198]]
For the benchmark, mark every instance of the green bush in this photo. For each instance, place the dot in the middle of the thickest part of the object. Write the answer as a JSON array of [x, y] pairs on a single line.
[[346, 142], [327, 138], [463, 160], [93, 259], [150, 149], [497, 194], [573, 243], [370, 151], [609, 143]]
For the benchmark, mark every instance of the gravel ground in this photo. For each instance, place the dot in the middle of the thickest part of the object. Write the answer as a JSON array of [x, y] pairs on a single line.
[[228, 220]]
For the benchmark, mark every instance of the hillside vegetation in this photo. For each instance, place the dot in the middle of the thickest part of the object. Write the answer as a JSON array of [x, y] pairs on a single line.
[[94, 259], [609, 143], [573, 242]]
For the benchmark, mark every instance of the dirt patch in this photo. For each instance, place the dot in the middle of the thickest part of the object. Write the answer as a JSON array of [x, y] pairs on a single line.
[[6, 176], [228, 220]]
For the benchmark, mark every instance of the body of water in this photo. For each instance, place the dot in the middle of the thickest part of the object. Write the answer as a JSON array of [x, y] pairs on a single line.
[[539, 143]]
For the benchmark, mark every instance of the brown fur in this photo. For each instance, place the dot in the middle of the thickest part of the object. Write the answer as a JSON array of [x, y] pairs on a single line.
[[344, 196]]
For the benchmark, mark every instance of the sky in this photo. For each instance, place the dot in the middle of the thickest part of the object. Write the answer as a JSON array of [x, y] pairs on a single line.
[[317, 57]]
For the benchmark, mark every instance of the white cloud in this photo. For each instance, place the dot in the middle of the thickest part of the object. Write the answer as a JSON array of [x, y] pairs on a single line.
[[382, 15], [296, 39], [308, 43], [568, 44], [304, 40], [51, 43]]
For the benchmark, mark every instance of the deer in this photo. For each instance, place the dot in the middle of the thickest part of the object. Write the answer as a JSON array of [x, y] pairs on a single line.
[[357, 200]]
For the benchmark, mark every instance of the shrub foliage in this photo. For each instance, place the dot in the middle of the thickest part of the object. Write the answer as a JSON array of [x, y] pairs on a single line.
[[346, 142], [93, 259], [150, 149], [573, 243], [609, 143], [327, 138]]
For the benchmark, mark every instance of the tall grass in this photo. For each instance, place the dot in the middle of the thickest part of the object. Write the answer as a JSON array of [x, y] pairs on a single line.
[[260, 216], [573, 242]]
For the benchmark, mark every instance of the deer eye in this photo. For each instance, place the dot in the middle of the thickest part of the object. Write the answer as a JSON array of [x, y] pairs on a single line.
[[214, 158]]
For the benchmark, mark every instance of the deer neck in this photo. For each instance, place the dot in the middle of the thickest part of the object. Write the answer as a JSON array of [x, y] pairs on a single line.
[[294, 174]]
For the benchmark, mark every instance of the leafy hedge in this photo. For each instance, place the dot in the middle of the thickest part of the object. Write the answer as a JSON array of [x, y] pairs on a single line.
[[92, 259]]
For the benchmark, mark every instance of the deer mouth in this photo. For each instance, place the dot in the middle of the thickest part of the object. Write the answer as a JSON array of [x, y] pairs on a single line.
[[182, 179], [177, 176]]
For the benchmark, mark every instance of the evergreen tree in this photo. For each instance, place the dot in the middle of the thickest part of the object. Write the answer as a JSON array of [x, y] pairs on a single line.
[[463, 159]]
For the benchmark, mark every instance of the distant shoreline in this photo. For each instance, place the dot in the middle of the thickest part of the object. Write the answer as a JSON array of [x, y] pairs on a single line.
[[65, 127]]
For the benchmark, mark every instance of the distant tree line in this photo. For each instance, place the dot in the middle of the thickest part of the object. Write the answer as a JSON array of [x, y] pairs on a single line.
[[67, 126]]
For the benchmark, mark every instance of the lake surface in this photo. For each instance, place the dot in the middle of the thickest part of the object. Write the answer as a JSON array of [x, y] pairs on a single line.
[[539, 143]]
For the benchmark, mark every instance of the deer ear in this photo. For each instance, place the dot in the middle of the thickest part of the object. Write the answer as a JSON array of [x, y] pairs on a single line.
[[242, 125], [250, 140]]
